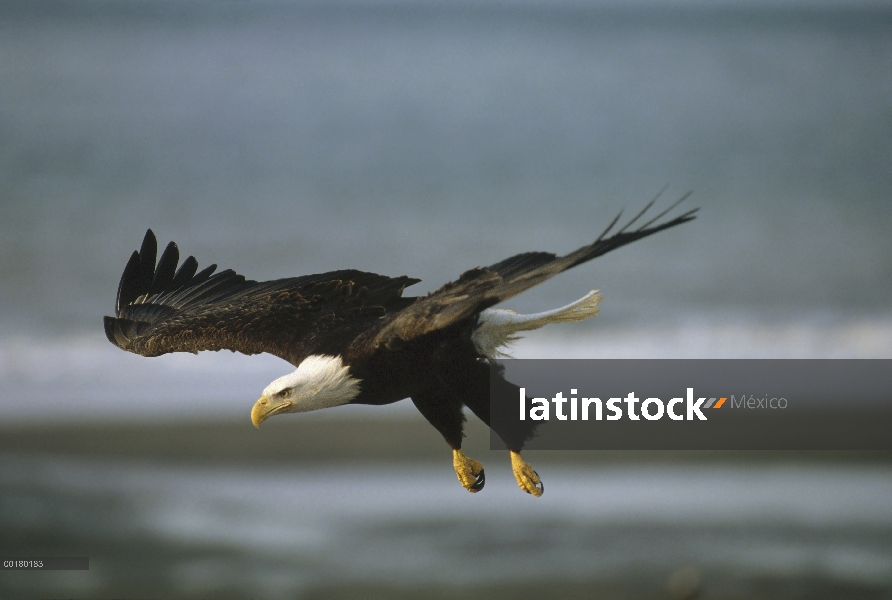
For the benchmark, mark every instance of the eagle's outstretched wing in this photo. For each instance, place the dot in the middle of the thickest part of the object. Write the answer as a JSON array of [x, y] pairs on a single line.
[[162, 309], [480, 288]]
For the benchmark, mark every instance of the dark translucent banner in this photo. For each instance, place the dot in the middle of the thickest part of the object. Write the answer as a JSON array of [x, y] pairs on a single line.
[[693, 404]]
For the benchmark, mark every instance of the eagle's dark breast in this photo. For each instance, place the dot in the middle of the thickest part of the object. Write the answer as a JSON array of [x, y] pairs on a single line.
[[442, 372], [403, 368]]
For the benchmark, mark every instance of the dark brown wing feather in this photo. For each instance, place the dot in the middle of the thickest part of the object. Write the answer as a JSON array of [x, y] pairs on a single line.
[[481, 288], [160, 309]]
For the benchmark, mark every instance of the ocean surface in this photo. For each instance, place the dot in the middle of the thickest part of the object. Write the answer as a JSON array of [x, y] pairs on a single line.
[[426, 137]]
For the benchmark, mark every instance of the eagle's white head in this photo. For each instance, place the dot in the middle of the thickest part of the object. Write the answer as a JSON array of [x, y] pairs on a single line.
[[318, 382]]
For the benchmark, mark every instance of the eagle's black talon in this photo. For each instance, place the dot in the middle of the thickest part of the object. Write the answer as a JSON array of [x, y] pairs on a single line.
[[479, 482]]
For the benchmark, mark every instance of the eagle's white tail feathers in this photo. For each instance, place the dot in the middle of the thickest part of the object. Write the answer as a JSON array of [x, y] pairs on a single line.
[[497, 326]]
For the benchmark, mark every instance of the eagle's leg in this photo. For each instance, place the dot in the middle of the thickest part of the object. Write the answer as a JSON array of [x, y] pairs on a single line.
[[513, 434], [469, 471], [526, 477], [445, 414]]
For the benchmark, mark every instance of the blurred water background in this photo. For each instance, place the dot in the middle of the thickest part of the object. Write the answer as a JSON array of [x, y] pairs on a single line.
[[425, 137]]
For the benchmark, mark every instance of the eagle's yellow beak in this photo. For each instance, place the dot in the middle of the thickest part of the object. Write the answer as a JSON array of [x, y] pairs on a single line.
[[265, 408]]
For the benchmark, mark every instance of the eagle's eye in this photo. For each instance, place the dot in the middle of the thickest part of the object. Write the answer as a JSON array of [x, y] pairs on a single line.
[[285, 393]]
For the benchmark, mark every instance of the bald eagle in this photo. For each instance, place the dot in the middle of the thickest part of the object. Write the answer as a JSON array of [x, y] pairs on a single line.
[[354, 338]]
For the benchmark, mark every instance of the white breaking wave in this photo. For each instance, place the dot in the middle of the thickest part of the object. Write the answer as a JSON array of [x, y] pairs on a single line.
[[88, 378], [865, 338]]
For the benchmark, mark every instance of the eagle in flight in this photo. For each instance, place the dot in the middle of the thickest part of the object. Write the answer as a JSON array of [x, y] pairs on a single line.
[[354, 338]]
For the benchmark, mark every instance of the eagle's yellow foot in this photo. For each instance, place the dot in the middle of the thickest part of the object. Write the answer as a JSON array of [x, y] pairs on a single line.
[[469, 471], [526, 477]]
